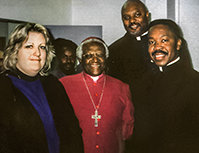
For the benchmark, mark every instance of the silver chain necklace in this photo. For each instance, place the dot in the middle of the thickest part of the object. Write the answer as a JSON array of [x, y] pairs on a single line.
[[96, 117]]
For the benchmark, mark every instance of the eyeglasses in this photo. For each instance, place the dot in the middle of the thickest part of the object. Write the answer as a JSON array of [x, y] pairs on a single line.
[[89, 56]]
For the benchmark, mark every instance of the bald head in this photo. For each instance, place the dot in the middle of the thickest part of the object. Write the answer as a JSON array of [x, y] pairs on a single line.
[[137, 2], [135, 17]]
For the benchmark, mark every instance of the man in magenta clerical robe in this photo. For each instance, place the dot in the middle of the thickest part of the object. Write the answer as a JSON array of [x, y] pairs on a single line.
[[101, 103]]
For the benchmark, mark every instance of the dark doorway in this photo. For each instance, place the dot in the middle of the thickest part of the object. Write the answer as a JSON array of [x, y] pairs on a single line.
[[2, 43]]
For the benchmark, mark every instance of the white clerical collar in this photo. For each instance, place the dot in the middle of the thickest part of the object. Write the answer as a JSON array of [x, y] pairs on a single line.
[[139, 37], [172, 62], [95, 78], [160, 68]]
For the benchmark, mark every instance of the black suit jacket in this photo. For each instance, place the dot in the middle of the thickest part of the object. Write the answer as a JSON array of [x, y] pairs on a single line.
[[128, 58], [166, 111], [21, 129]]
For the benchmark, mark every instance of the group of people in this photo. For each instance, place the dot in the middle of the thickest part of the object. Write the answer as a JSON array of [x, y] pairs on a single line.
[[139, 95]]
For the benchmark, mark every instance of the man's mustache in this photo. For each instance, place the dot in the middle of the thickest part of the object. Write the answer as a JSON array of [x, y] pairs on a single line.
[[159, 51], [133, 24]]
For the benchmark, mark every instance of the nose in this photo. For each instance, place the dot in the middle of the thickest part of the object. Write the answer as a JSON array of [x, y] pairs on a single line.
[[132, 19], [37, 52], [69, 60], [95, 59], [158, 46]]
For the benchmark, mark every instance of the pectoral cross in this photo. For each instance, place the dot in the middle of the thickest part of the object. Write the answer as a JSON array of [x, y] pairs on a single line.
[[96, 117]]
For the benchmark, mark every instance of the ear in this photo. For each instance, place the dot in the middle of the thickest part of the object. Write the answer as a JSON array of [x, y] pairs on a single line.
[[148, 15], [179, 42]]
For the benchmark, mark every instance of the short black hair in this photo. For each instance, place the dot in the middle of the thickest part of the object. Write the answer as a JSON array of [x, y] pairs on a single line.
[[61, 43], [171, 25]]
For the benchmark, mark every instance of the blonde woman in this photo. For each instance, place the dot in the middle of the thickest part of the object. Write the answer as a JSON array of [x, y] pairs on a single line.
[[35, 112]]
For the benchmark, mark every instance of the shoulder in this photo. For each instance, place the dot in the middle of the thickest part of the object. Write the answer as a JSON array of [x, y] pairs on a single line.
[[48, 79], [195, 73], [70, 77], [54, 90], [4, 80], [120, 46], [51, 84], [194, 77], [117, 42], [57, 72], [7, 90], [189, 73], [118, 88], [116, 82]]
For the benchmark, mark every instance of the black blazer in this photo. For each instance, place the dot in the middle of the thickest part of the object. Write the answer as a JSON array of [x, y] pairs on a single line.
[[21, 129], [128, 58]]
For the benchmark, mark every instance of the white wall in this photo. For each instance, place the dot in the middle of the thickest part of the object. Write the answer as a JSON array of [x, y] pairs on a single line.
[[40, 11], [108, 14], [96, 12], [158, 8], [188, 20]]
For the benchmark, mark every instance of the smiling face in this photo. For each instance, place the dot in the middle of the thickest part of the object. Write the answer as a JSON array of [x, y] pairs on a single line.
[[93, 58], [67, 61], [31, 56], [163, 45], [135, 18]]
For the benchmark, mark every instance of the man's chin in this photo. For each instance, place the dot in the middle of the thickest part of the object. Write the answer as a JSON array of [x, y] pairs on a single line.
[[134, 32], [160, 63], [95, 73], [66, 67]]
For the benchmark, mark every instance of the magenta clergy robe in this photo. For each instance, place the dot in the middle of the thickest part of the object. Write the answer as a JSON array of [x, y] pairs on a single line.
[[116, 110]]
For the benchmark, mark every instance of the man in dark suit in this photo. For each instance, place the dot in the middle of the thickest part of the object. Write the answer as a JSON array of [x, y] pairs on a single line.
[[128, 55], [166, 100]]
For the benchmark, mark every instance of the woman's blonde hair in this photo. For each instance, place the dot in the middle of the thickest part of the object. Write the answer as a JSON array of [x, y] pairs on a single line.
[[16, 39]]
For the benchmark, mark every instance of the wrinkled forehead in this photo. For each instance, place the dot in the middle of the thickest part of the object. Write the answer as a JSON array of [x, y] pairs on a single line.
[[88, 46], [161, 29], [133, 5]]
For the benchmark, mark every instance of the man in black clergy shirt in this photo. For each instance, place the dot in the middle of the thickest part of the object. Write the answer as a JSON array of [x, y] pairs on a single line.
[[128, 55], [167, 101]]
